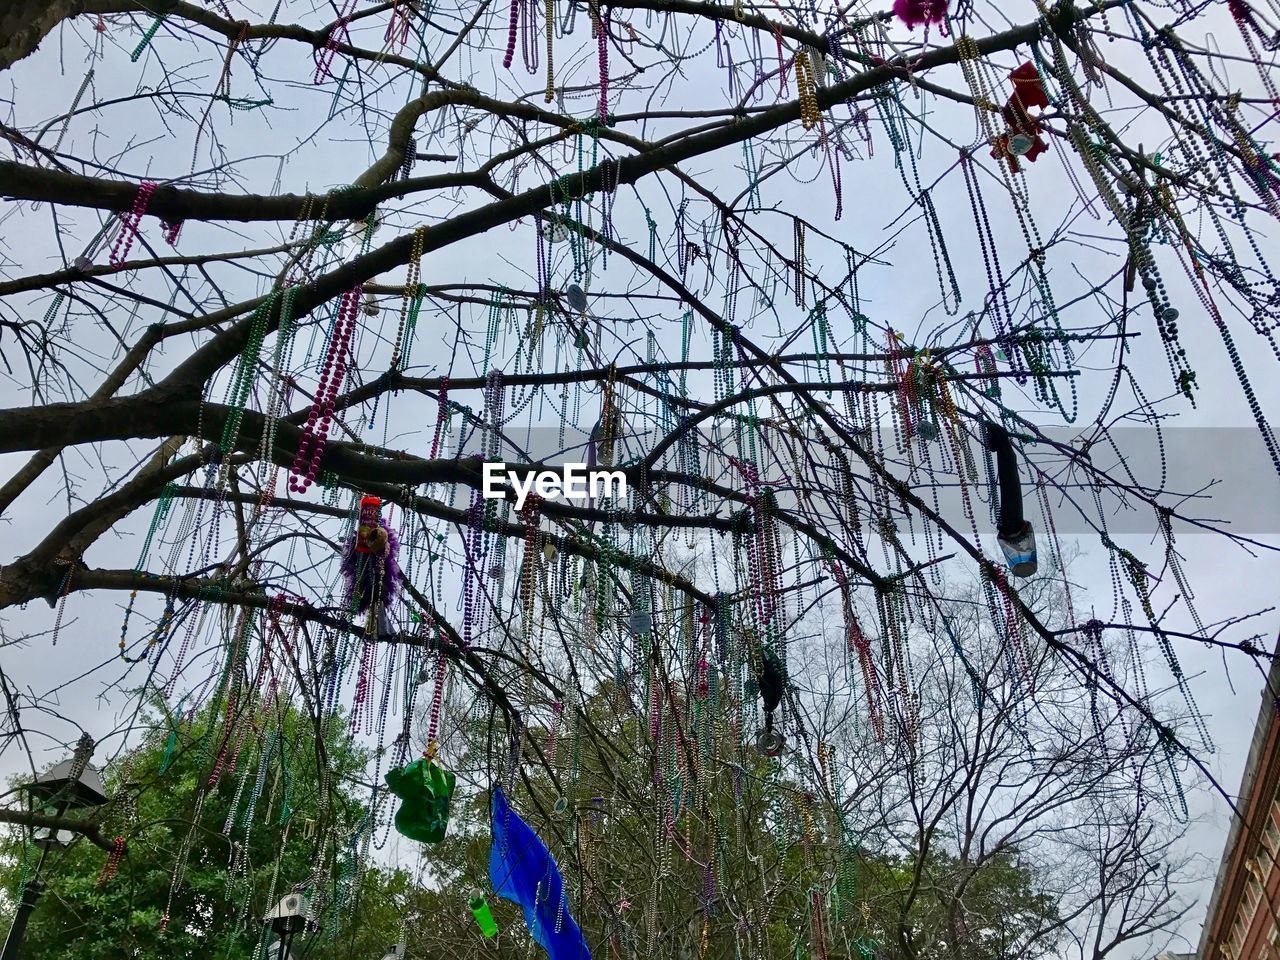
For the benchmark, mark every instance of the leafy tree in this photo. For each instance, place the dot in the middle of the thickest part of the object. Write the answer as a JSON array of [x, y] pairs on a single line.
[[253, 837]]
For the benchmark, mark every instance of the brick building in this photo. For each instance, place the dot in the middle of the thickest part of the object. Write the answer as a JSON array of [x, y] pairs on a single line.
[[1243, 921]]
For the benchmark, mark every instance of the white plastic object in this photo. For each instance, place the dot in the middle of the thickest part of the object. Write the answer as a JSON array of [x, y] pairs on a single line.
[[1020, 552]]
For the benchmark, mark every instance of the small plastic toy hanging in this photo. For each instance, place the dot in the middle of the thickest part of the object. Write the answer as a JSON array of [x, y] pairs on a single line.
[[425, 790], [1015, 535], [370, 567], [772, 686]]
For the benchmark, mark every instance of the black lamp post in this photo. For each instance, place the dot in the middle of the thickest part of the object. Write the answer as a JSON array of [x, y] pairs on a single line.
[[287, 920], [69, 785]]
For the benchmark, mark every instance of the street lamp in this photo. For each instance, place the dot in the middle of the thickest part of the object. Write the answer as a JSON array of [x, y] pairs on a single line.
[[277, 950], [287, 920], [69, 785]]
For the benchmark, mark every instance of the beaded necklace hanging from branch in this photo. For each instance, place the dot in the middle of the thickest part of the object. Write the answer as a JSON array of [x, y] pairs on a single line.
[[898, 368], [161, 631], [751, 167], [398, 24], [894, 629], [472, 545], [1233, 354], [810, 114], [550, 94], [315, 433], [1137, 576], [1171, 747], [246, 375], [859, 647], [1092, 633], [800, 267], [129, 223], [411, 303], [147, 37], [529, 564], [278, 398], [339, 29], [511, 34], [1012, 615], [600, 33], [1136, 221], [822, 339], [529, 36], [1002, 315], [975, 72], [937, 241]]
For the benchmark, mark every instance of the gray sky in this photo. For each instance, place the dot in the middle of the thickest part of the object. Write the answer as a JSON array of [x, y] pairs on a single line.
[[324, 153]]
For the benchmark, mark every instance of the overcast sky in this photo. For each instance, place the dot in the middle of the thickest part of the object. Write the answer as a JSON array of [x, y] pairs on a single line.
[[323, 153]]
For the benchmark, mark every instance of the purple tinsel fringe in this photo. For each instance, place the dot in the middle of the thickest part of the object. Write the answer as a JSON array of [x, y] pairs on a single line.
[[362, 572]]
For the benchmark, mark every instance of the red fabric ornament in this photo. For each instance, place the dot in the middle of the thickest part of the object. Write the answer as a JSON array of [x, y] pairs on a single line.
[[1028, 88], [1028, 91]]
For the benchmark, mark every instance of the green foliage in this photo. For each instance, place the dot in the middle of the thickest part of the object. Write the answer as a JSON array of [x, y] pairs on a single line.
[[943, 909], [233, 876]]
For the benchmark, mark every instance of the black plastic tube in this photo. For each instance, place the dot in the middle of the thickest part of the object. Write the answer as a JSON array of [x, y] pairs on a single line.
[[771, 683], [1011, 519]]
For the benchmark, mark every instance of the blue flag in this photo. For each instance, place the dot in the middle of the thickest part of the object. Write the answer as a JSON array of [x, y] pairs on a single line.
[[522, 870]]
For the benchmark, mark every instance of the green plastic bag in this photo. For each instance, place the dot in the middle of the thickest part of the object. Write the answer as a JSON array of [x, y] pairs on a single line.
[[425, 790]]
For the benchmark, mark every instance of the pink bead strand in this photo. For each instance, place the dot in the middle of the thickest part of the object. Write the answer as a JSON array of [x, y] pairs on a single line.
[[130, 221], [325, 60]]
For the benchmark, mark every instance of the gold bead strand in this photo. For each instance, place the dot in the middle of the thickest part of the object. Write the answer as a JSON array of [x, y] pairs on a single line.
[[968, 51], [810, 115], [412, 279], [551, 73]]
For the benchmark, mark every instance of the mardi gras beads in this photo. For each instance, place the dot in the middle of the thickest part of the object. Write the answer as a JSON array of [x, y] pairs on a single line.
[[551, 76], [810, 114], [799, 263], [245, 376], [412, 299], [316, 432], [130, 221]]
